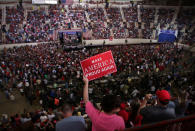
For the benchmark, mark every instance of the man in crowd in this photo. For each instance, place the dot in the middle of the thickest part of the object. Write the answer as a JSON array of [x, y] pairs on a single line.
[[70, 123], [164, 110], [107, 120]]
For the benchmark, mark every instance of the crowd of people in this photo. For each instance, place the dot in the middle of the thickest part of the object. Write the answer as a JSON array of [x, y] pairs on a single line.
[[131, 17], [98, 20], [153, 82], [0, 24], [165, 17], [15, 18], [115, 22], [42, 24], [51, 75], [77, 14], [0, 16], [184, 21], [148, 13]]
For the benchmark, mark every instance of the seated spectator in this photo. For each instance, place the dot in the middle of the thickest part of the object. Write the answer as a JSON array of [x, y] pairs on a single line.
[[162, 111], [70, 123], [107, 120]]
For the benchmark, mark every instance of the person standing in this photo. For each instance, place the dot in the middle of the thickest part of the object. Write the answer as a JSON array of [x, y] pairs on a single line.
[[106, 120], [164, 110], [70, 123]]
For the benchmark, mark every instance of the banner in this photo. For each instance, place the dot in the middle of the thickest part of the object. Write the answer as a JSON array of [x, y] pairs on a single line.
[[98, 65], [44, 1], [167, 35]]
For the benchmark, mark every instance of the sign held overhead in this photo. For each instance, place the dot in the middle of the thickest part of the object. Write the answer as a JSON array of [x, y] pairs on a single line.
[[98, 65]]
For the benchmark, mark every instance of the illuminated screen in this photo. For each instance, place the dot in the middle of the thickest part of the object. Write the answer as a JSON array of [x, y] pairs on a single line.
[[44, 1]]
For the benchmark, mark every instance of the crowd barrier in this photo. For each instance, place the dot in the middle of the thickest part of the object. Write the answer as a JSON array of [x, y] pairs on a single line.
[[181, 124]]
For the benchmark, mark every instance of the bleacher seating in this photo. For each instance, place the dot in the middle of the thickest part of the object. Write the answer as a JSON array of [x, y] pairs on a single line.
[[98, 20], [104, 23]]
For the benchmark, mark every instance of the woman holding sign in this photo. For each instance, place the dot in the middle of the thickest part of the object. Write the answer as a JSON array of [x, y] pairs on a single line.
[[106, 120]]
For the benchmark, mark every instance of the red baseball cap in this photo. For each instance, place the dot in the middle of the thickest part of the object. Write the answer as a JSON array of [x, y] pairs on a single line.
[[163, 95], [123, 106]]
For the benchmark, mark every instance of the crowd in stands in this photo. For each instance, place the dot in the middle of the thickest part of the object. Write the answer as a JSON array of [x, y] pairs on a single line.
[[184, 21], [51, 75], [59, 18], [130, 15], [42, 24], [148, 13], [77, 14], [0, 16], [98, 20], [15, 18], [37, 27], [165, 17], [0, 36], [115, 22], [0, 25]]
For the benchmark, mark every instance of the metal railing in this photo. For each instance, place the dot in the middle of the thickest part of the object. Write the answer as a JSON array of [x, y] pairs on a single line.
[[181, 124]]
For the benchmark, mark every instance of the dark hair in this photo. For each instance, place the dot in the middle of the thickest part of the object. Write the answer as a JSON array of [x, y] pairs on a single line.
[[110, 102], [67, 108]]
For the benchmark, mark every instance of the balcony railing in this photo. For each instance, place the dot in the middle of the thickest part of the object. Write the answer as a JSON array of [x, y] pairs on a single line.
[[181, 124]]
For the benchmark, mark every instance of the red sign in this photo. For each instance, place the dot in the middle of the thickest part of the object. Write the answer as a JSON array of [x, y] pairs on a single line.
[[98, 65]]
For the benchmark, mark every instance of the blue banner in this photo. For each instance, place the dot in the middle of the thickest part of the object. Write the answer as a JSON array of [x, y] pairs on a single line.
[[166, 36]]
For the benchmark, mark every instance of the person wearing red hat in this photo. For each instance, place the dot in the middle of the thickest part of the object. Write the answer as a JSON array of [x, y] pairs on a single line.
[[163, 110], [163, 96]]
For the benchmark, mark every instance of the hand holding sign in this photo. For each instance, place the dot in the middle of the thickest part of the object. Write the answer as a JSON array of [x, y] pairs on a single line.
[[85, 80], [98, 65]]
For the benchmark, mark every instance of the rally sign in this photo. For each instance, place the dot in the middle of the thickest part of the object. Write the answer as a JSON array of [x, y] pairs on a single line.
[[98, 65]]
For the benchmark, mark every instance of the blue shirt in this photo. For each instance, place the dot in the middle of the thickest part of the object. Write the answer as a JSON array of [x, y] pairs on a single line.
[[73, 123]]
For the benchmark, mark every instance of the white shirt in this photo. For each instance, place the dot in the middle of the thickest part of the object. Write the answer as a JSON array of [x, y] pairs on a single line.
[[20, 84], [21, 90], [12, 97], [134, 93], [90, 90], [23, 120], [43, 118], [50, 117], [27, 84]]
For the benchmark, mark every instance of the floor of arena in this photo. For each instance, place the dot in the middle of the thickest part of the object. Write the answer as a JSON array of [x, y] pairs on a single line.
[[18, 106]]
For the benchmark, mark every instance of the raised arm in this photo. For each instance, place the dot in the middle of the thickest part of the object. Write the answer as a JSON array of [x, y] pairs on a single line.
[[143, 104], [85, 89]]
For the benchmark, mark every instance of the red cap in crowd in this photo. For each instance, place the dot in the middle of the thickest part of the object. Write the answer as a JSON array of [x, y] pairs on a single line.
[[123, 106], [163, 95]]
